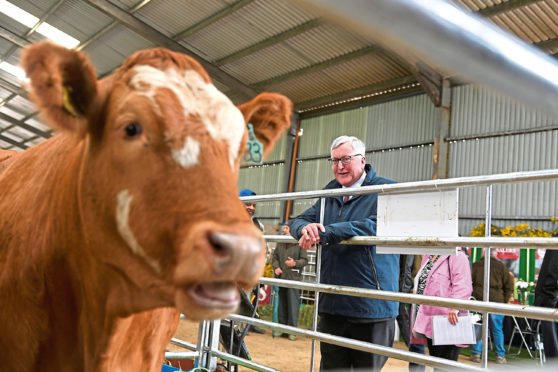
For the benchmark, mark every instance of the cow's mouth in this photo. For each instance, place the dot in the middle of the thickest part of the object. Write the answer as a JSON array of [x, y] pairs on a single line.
[[218, 295]]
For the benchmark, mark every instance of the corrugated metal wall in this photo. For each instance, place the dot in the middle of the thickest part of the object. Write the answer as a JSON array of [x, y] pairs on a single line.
[[529, 144], [489, 134], [398, 133], [268, 179]]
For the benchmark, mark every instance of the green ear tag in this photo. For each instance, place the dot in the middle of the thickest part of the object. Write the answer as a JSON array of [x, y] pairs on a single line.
[[254, 148]]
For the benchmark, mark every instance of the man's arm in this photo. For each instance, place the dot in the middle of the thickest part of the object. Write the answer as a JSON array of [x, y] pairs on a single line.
[[275, 257], [340, 231], [307, 217]]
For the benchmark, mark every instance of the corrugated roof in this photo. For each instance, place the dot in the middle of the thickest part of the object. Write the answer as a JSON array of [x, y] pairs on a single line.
[[252, 45]]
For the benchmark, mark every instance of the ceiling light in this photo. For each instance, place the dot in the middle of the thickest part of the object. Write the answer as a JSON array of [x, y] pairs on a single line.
[[14, 70], [30, 21]]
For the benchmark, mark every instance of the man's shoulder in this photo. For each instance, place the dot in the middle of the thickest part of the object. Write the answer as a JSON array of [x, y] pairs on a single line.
[[381, 180], [373, 179], [333, 184]]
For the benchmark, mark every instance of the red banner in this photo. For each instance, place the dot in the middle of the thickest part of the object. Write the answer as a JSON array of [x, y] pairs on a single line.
[[264, 295], [507, 253]]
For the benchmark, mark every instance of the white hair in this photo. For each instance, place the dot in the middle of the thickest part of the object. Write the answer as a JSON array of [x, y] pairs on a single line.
[[357, 144]]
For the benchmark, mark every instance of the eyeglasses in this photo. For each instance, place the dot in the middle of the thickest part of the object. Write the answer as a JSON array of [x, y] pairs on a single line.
[[345, 160]]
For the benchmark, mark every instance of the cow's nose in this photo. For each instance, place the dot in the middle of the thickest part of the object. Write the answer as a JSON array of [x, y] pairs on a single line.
[[236, 252]]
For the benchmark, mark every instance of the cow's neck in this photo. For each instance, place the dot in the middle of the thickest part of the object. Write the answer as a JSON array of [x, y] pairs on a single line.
[[64, 304]]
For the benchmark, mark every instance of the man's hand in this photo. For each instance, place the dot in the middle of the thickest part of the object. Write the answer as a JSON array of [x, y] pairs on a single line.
[[278, 271], [290, 262], [310, 236]]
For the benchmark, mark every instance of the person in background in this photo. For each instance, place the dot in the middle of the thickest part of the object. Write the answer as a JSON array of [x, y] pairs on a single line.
[[405, 286], [246, 306], [501, 290], [288, 260], [416, 348], [251, 208], [442, 276], [546, 295], [363, 319]]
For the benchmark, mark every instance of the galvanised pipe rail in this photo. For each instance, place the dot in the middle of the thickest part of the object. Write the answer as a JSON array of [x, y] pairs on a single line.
[[184, 344], [515, 242], [242, 362], [429, 185], [181, 355], [534, 312], [359, 345], [451, 39]]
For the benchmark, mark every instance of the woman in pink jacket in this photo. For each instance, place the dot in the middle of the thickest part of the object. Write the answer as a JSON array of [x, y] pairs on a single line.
[[441, 276]]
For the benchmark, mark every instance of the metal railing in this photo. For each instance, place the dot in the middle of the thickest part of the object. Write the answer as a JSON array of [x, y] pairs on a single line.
[[482, 306]]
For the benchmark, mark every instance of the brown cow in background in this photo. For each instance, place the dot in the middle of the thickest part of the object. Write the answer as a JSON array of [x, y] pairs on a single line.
[[129, 215]]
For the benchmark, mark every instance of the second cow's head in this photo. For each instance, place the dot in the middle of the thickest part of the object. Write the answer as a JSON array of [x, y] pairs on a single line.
[[160, 150]]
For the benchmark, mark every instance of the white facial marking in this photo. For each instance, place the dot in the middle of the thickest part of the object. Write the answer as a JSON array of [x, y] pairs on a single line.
[[222, 119], [124, 201], [188, 155]]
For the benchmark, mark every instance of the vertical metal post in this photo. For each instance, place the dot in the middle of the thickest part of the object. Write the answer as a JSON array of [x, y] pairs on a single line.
[[317, 293], [202, 336], [213, 343], [293, 138], [486, 282], [441, 147]]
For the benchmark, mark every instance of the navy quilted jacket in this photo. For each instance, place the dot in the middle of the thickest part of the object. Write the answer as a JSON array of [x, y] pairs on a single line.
[[352, 265]]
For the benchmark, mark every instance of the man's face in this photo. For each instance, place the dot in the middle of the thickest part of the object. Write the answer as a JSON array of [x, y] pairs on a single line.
[[286, 230], [250, 208], [347, 174]]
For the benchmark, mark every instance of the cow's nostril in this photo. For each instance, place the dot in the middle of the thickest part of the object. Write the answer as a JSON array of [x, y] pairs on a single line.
[[235, 252], [222, 245]]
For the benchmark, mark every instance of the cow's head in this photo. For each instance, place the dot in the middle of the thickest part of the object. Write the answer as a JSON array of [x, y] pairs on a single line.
[[161, 153]]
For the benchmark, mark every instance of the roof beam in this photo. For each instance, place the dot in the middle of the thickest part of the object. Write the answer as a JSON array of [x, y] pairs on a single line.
[[12, 142], [547, 44], [158, 38], [12, 88], [211, 19], [431, 81], [297, 30], [355, 93], [25, 126], [505, 7], [13, 38]]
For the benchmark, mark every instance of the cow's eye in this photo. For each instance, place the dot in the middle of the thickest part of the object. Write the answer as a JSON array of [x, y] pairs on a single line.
[[133, 129]]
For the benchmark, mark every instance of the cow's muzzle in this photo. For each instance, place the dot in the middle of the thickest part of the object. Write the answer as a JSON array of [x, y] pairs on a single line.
[[226, 262]]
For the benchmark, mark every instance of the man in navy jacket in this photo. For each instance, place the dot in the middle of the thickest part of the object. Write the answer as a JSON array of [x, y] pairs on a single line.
[[364, 319]]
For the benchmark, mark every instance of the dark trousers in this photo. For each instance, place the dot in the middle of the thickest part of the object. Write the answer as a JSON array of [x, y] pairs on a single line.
[[289, 306], [549, 331], [340, 358], [450, 352], [403, 322], [421, 349]]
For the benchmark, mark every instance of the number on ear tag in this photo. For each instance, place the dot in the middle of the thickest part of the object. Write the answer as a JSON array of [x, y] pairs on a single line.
[[254, 148]]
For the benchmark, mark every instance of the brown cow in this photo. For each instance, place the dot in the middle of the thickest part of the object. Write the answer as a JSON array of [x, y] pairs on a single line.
[[127, 216], [6, 158]]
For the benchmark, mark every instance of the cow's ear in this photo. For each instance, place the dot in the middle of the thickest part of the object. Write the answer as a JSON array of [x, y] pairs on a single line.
[[62, 83], [270, 114]]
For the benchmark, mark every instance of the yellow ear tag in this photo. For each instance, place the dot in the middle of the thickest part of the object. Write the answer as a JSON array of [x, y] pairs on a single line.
[[67, 102], [254, 148]]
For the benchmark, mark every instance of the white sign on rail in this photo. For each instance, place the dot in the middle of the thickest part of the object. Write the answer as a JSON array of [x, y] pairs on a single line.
[[418, 214]]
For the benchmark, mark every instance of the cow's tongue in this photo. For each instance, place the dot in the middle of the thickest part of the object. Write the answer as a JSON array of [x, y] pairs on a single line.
[[217, 294]]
